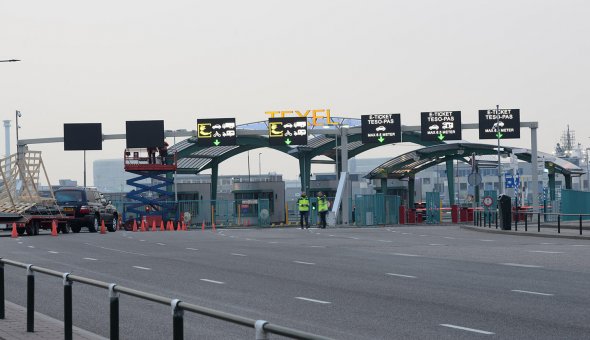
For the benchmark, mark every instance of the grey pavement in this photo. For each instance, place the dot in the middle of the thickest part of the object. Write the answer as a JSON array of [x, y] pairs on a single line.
[[14, 327], [411, 282]]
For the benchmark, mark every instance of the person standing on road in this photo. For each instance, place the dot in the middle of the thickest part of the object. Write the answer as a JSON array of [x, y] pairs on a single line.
[[303, 207], [323, 206]]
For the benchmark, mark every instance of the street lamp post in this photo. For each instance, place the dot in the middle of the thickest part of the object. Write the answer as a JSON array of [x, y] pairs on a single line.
[[259, 167], [500, 189]]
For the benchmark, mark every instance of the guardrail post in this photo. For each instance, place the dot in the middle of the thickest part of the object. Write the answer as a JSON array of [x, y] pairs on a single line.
[[30, 299], [261, 334], [539, 222], [2, 315], [114, 307], [580, 224], [67, 307], [177, 320], [559, 224]]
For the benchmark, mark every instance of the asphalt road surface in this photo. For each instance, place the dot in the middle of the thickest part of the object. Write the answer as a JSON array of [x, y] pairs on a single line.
[[423, 282]]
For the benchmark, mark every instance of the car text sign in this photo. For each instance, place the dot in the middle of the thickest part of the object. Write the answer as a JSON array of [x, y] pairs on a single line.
[[440, 126], [216, 132], [381, 128], [503, 124], [287, 131]]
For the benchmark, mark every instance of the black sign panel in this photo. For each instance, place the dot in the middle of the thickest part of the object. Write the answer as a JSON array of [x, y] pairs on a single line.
[[494, 126], [441, 125], [87, 136], [381, 128], [216, 132], [287, 131], [144, 133]]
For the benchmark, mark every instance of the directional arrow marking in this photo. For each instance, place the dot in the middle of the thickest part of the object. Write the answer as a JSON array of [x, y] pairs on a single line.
[[217, 142], [381, 139], [288, 141], [441, 136], [499, 135]]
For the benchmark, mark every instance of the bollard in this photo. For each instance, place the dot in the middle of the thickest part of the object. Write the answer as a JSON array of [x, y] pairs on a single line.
[[580, 224], [114, 315], [516, 221], [261, 334], [2, 315], [539, 222], [526, 222], [496, 215], [30, 299], [67, 307], [559, 224], [177, 321]]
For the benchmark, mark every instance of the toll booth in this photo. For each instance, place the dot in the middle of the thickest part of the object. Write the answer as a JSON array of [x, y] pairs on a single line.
[[259, 203]]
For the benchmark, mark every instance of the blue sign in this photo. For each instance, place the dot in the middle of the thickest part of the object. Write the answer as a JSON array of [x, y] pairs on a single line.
[[508, 180]]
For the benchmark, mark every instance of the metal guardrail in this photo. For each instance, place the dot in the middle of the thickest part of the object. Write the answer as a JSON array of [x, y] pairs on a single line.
[[485, 218], [262, 328]]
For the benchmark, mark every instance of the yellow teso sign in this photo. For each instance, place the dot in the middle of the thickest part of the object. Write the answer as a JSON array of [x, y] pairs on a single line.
[[318, 117]]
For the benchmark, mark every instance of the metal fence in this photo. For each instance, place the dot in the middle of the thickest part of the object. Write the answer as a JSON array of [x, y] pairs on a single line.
[[376, 209], [535, 221], [262, 328]]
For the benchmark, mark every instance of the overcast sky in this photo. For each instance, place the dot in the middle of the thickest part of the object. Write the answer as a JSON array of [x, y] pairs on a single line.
[[111, 61]]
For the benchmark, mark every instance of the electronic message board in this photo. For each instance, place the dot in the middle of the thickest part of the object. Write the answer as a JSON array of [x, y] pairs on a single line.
[[144, 133], [381, 128], [216, 132], [85, 136], [441, 125], [504, 125], [287, 131]]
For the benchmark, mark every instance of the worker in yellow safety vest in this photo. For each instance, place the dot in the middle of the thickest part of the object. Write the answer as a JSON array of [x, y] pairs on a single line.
[[323, 206], [303, 207]]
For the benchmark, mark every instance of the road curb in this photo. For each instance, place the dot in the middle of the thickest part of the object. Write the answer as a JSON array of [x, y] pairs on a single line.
[[519, 233]]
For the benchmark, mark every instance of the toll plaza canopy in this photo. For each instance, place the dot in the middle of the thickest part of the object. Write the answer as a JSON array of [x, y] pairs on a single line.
[[409, 164]]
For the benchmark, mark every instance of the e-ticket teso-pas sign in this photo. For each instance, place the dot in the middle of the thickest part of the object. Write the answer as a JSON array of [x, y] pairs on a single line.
[[441, 125], [216, 132], [381, 128], [503, 124]]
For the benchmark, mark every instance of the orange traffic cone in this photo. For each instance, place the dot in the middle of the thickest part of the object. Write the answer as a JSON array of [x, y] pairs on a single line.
[[183, 226], [54, 228], [178, 227], [142, 225], [170, 226], [162, 225], [134, 225], [14, 234], [203, 226], [153, 225], [103, 229]]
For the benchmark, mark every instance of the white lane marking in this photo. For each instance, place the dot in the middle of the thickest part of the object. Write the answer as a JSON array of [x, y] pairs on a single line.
[[547, 243], [317, 246], [487, 240], [579, 245], [318, 233], [274, 242], [436, 244], [117, 250], [313, 300], [213, 281], [545, 252], [402, 254], [400, 275], [394, 231], [161, 244], [142, 268], [232, 236], [388, 241], [141, 240], [192, 249], [467, 329], [406, 233], [53, 252], [529, 292], [331, 235], [31, 246], [19, 242], [423, 235], [308, 263], [448, 237], [236, 254], [353, 238], [90, 259], [521, 265]]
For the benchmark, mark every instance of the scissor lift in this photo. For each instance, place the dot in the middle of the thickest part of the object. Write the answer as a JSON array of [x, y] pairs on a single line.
[[153, 200]]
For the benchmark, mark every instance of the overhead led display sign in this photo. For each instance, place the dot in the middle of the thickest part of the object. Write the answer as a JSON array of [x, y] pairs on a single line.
[[216, 132], [381, 128], [441, 126], [287, 131]]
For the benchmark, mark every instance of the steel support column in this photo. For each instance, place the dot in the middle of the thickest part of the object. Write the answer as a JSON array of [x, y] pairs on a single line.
[[451, 181], [534, 166]]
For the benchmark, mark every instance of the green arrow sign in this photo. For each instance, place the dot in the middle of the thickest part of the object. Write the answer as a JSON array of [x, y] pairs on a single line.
[[381, 139], [441, 137], [288, 141], [217, 142], [499, 135]]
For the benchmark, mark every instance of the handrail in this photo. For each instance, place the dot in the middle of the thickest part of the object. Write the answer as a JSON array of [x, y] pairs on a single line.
[[262, 327]]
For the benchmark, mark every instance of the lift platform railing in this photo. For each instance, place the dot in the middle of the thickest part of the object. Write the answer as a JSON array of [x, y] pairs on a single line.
[[262, 328]]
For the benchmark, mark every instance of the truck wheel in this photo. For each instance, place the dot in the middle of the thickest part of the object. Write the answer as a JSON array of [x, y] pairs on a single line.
[[36, 228], [95, 224], [65, 228], [75, 229], [113, 226]]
